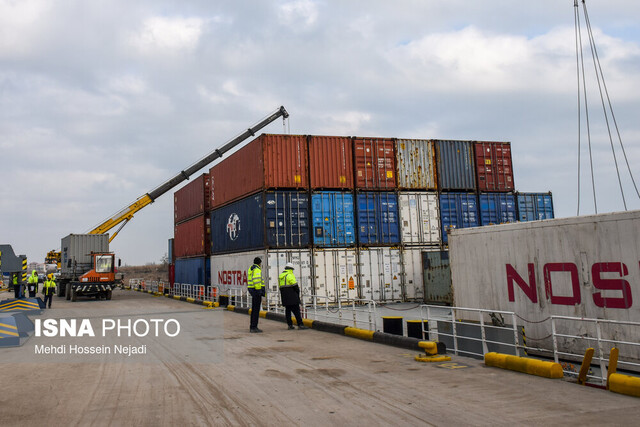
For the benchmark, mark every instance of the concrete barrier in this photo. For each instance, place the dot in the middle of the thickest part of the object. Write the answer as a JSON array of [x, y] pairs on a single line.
[[525, 365], [624, 384]]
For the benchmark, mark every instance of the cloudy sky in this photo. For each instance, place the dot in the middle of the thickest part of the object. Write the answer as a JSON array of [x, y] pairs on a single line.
[[101, 101]]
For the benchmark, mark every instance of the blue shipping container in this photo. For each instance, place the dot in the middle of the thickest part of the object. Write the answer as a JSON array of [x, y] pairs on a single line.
[[193, 271], [273, 219], [497, 208], [458, 210], [455, 161], [333, 219], [378, 222], [534, 206]]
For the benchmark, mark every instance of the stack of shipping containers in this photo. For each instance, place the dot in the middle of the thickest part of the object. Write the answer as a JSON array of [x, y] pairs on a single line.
[[190, 248], [358, 217], [419, 211]]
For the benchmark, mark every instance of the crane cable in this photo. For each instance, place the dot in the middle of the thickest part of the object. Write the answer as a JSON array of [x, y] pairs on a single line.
[[601, 85]]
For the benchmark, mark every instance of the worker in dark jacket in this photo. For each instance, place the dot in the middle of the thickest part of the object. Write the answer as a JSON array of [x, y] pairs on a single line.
[[257, 291], [49, 289], [290, 293], [32, 284]]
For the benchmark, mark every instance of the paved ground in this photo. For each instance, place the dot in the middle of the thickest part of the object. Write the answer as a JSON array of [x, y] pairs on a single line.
[[278, 377]]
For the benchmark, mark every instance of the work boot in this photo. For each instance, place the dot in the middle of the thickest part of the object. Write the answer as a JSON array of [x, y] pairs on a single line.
[[255, 330], [302, 327], [291, 327]]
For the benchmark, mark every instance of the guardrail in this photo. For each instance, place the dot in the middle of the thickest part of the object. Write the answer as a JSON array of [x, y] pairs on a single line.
[[359, 313], [474, 337]]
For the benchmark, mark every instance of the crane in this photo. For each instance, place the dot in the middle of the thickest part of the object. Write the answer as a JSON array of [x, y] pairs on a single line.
[[95, 274]]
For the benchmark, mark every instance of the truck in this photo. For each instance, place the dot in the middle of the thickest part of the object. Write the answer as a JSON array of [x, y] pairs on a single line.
[[87, 266]]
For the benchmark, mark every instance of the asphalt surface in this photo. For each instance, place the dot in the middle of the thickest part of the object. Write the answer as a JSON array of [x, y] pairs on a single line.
[[220, 374]]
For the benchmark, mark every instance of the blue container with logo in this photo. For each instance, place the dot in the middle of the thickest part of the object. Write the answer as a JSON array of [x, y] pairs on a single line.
[[497, 208], [193, 271], [534, 206], [272, 219], [333, 219], [378, 222], [458, 210]]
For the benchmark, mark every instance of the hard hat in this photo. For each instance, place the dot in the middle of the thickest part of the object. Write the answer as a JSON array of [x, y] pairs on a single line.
[[50, 276], [289, 265]]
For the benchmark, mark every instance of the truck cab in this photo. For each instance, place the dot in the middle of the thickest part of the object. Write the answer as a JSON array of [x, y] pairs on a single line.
[[99, 281]]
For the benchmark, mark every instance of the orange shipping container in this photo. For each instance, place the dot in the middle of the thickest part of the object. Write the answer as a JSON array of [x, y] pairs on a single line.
[[192, 199], [267, 162], [374, 163], [193, 237], [330, 162]]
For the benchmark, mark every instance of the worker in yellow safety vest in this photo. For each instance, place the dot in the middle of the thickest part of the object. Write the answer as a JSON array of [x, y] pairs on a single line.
[[32, 284], [16, 286], [255, 284], [290, 294], [49, 289]]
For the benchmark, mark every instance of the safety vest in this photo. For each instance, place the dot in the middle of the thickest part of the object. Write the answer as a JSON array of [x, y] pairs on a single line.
[[287, 278], [33, 278], [49, 284], [254, 278], [15, 279]]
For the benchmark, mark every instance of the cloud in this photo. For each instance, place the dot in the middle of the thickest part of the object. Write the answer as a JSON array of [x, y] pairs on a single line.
[[161, 35], [299, 15]]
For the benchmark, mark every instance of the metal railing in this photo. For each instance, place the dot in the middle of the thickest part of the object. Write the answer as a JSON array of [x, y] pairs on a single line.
[[359, 313], [470, 336], [601, 333]]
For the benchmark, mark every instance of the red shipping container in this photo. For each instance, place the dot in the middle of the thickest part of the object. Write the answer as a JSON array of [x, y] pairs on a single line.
[[374, 163], [494, 167], [192, 199], [267, 162], [193, 237], [330, 162]]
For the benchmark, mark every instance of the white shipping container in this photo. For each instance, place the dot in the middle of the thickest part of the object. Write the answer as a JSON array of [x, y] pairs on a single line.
[[380, 274], [335, 273], [586, 267], [229, 271], [413, 273], [419, 218]]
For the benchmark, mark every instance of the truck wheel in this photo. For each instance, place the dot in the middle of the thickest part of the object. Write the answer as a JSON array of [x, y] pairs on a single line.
[[68, 291], [108, 295], [74, 295]]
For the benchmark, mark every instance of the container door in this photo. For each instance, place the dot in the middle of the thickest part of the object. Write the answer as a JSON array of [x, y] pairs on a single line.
[[388, 227], [344, 224], [369, 275], [412, 274], [325, 275], [367, 223], [391, 278], [437, 277]]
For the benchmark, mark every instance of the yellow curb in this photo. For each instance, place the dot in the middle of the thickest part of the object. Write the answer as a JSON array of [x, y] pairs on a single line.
[[176, 297], [263, 314], [191, 300], [524, 365], [231, 307], [624, 384], [363, 334], [431, 359]]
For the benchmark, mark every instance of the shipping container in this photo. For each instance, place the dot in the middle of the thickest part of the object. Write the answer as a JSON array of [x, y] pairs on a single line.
[[584, 267], [534, 206], [172, 274], [494, 166], [416, 164], [413, 284], [437, 277], [333, 219], [497, 208], [267, 162], [229, 271], [335, 273], [330, 162], [272, 219], [192, 238], [374, 163], [419, 218], [455, 164], [192, 199], [458, 210], [193, 271], [379, 271], [75, 251], [378, 222]]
